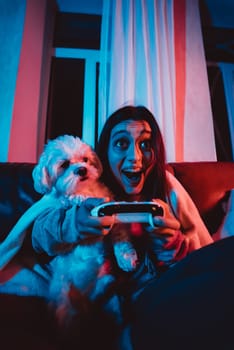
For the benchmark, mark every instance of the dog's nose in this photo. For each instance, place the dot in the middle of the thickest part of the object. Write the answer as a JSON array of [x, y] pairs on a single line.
[[82, 171]]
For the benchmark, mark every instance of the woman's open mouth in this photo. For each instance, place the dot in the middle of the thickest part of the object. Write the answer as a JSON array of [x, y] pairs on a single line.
[[133, 176]]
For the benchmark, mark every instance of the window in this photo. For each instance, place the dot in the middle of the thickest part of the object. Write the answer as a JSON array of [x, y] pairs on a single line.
[[219, 52], [72, 106]]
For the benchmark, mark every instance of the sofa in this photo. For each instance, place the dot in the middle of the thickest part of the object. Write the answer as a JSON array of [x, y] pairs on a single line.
[[26, 321]]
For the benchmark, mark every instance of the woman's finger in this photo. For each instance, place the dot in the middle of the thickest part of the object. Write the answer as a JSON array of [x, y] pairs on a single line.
[[168, 219], [169, 222], [91, 225]]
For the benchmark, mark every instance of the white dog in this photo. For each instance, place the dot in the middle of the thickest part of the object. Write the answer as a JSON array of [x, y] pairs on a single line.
[[69, 170]]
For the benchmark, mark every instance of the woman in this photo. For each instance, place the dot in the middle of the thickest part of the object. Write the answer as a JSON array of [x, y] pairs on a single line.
[[133, 156], [132, 153]]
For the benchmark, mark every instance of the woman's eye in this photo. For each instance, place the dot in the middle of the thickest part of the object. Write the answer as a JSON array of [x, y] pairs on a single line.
[[122, 143], [65, 164], [146, 145]]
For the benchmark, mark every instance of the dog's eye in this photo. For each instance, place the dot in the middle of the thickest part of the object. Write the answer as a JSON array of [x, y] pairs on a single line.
[[65, 164], [85, 159]]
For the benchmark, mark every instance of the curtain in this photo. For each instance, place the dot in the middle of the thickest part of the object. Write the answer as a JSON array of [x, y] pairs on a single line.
[[152, 54]]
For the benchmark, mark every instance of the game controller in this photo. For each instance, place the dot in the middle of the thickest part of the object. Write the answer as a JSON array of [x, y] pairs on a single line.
[[129, 212]]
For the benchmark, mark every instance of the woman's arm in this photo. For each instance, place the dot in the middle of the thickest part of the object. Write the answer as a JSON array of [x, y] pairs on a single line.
[[192, 225], [57, 230], [180, 230]]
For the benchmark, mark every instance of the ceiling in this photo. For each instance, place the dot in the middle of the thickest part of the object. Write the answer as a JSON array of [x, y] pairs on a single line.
[[88, 6], [217, 20], [217, 13]]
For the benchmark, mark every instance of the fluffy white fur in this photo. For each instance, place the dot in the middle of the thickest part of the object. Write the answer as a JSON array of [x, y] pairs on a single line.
[[69, 170]]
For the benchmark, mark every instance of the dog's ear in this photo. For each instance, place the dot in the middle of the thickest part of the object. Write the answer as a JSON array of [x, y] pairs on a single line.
[[41, 177], [97, 163]]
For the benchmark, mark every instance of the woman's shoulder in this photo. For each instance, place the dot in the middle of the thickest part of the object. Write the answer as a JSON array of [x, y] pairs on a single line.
[[173, 183], [179, 197]]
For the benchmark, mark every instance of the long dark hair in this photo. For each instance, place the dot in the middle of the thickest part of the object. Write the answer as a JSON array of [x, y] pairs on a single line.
[[155, 185]]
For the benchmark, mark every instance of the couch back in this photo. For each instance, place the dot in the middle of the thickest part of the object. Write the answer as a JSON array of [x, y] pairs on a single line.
[[208, 183], [16, 193]]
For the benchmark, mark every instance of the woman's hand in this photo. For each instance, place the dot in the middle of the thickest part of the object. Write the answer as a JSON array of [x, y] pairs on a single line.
[[89, 225], [168, 242], [166, 223]]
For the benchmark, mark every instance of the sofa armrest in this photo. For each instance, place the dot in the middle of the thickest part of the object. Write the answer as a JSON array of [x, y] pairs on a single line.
[[17, 193]]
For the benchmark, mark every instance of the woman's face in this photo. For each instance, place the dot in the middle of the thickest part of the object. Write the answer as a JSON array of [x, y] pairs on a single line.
[[131, 155]]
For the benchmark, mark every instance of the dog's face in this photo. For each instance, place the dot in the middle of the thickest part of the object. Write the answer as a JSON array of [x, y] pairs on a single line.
[[66, 165]]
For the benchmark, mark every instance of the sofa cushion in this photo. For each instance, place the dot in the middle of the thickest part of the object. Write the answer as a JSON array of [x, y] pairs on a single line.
[[209, 185]]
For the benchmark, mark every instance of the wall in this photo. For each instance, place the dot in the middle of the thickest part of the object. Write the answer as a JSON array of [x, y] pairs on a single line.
[[12, 16], [23, 120]]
